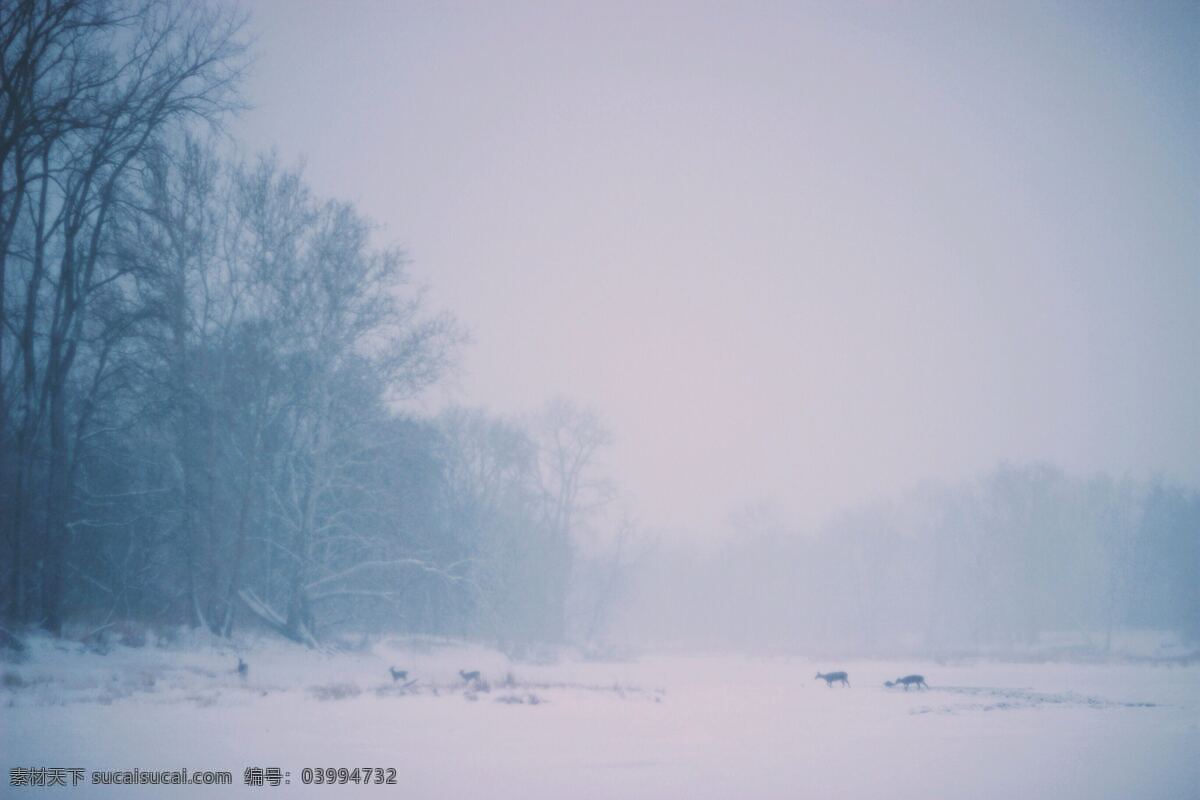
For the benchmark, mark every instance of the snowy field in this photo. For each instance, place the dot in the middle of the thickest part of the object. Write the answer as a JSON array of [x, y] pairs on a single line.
[[656, 727]]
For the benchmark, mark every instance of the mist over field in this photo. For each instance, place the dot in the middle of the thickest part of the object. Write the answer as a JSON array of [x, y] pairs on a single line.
[[617, 399]]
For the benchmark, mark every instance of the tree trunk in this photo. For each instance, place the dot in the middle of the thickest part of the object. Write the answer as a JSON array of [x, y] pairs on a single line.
[[58, 498]]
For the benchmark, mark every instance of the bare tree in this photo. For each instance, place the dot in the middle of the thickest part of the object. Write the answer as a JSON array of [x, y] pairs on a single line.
[[350, 334], [90, 90], [570, 438]]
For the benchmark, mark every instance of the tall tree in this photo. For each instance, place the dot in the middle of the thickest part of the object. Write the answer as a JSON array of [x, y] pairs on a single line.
[[570, 439], [91, 89]]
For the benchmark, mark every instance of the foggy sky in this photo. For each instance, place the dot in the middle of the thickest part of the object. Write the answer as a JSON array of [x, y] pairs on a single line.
[[791, 252]]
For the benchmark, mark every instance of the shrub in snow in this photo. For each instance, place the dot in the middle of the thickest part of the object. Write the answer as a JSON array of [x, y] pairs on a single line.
[[336, 691]]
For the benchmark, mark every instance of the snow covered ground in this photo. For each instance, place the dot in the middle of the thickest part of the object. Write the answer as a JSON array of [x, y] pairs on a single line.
[[657, 727]]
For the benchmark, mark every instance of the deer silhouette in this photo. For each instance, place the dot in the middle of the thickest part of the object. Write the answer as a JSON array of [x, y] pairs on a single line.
[[242, 668], [909, 680], [830, 677], [469, 677], [398, 674]]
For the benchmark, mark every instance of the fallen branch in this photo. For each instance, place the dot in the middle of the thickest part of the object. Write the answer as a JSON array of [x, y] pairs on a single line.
[[276, 622]]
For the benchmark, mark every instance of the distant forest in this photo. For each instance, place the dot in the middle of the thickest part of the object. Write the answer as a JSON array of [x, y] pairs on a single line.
[[1021, 554]]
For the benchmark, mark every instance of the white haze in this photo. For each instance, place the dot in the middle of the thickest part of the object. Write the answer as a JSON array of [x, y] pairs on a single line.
[[805, 253]]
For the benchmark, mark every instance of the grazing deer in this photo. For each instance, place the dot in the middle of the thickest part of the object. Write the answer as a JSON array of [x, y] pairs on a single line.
[[469, 677], [398, 674], [909, 680], [242, 668], [830, 677]]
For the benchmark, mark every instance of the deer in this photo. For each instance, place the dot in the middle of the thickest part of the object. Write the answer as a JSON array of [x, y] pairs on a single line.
[[469, 677], [398, 674], [909, 680], [242, 668], [830, 677]]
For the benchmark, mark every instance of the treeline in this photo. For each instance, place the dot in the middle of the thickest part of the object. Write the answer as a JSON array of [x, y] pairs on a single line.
[[202, 362], [1001, 563]]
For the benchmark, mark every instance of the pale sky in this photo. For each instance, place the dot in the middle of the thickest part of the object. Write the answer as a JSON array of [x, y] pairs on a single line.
[[801, 253]]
